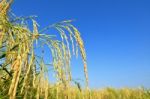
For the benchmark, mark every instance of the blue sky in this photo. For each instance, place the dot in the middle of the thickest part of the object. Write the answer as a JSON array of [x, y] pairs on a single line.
[[116, 35]]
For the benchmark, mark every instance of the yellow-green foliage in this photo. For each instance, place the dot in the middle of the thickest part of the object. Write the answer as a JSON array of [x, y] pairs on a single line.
[[21, 69], [125, 93], [24, 74]]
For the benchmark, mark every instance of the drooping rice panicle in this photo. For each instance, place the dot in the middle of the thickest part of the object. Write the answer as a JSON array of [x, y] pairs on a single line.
[[25, 70]]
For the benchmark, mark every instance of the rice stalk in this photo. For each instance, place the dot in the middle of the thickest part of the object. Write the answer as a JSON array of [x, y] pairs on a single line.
[[46, 89], [27, 72], [16, 67]]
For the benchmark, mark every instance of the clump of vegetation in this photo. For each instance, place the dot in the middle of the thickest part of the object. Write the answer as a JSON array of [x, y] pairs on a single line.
[[22, 71], [24, 74], [124, 93]]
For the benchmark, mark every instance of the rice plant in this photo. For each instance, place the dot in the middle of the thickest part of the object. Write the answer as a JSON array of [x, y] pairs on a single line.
[[24, 73], [21, 68]]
